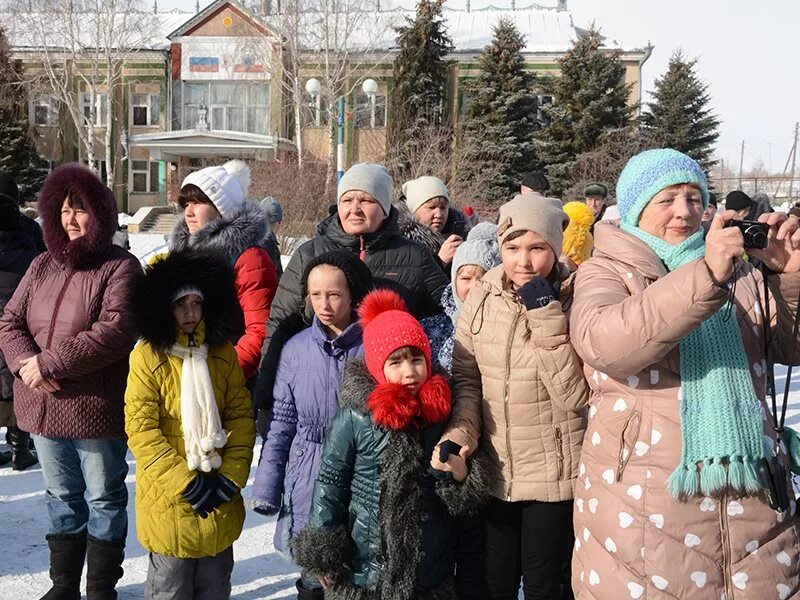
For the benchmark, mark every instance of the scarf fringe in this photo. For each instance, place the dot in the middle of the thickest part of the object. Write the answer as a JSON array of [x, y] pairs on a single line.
[[718, 474]]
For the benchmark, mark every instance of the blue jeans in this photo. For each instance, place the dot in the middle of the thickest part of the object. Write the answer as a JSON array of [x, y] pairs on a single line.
[[85, 482]]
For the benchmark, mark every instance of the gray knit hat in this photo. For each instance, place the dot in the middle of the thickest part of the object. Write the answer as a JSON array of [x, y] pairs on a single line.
[[371, 178], [273, 208], [480, 249], [532, 212]]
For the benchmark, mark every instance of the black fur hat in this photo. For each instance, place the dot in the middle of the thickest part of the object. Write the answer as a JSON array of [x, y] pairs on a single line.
[[153, 292]]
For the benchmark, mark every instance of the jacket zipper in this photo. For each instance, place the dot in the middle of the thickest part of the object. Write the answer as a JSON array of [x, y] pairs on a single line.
[[726, 546], [506, 407], [57, 307], [560, 453], [622, 459], [362, 251]]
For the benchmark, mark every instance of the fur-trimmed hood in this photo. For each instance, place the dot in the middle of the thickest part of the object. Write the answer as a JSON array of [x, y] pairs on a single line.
[[152, 294], [411, 228], [226, 236], [390, 404], [77, 180]]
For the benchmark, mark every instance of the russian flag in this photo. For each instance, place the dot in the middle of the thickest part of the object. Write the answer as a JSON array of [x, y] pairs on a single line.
[[204, 64], [248, 65]]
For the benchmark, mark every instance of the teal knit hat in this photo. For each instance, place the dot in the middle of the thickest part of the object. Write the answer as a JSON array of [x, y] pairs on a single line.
[[651, 171]]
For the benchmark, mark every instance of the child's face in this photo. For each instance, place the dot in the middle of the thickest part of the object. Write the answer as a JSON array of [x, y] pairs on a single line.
[[188, 311], [526, 257], [466, 277], [330, 296], [407, 368]]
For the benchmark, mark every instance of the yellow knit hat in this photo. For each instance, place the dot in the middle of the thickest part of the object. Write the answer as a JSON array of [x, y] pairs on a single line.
[[578, 240]]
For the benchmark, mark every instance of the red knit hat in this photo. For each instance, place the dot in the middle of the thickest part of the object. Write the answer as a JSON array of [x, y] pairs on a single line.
[[388, 326]]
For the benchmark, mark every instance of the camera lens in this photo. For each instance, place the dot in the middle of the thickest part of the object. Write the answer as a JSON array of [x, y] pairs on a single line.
[[755, 237]]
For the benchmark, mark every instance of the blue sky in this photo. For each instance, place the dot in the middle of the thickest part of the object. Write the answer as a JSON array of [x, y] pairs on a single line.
[[747, 53]]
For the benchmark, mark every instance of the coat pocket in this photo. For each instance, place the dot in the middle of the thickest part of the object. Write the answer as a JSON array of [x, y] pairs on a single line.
[[559, 451], [627, 440]]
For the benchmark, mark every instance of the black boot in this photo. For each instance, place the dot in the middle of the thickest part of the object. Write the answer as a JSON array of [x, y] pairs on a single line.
[[22, 456], [104, 568], [67, 552], [306, 594], [5, 457]]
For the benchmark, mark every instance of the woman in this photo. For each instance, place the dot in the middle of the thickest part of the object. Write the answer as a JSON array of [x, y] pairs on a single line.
[[66, 337], [366, 224], [519, 388], [668, 501], [217, 218], [427, 204]]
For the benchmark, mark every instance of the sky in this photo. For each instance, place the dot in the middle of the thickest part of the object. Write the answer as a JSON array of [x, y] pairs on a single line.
[[746, 49]]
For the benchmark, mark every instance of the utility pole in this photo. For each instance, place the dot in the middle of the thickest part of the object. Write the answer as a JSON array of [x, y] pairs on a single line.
[[741, 165], [794, 158]]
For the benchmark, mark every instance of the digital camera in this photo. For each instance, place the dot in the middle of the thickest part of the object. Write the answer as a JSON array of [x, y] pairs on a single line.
[[753, 232]]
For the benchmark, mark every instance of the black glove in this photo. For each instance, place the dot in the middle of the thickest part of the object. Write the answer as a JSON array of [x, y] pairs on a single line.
[[201, 496], [446, 448], [537, 293], [225, 490]]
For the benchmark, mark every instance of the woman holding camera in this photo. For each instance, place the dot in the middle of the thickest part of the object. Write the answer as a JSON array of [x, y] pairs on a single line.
[[670, 499]]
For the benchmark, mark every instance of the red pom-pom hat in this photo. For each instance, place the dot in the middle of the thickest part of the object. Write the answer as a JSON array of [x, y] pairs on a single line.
[[388, 326]]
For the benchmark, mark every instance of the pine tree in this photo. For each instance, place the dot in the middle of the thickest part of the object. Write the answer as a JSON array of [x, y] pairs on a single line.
[[420, 77], [680, 116], [19, 158], [501, 117], [589, 98]]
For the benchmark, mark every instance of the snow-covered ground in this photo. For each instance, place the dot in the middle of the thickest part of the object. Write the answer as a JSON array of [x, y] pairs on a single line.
[[259, 572]]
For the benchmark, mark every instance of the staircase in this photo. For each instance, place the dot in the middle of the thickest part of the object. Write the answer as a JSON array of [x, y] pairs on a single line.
[[162, 223]]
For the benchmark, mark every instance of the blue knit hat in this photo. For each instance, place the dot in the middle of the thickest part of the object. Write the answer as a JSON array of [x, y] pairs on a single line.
[[651, 171]]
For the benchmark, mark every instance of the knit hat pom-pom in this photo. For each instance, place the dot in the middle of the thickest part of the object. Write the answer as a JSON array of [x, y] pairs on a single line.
[[216, 461], [220, 439], [192, 461], [377, 302], [579, 214], [207, 444], [483, 231]]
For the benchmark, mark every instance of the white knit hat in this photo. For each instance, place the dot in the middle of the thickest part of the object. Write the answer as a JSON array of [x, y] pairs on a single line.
[[225, 186], [185, 291], [419, 191]]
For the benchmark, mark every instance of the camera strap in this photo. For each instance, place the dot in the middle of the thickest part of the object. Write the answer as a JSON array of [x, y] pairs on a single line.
[[778, 420]]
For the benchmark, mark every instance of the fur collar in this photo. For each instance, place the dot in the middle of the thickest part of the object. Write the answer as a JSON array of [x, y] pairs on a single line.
[[411, 228], [90, 249], [228, 236], [390, 404]]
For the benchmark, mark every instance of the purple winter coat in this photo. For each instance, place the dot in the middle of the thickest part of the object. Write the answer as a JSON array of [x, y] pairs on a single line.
[[306, 401], [71, 309]]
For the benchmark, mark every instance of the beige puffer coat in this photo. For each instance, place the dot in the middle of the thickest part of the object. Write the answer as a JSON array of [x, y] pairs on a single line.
[[633, 540], [519, 385]]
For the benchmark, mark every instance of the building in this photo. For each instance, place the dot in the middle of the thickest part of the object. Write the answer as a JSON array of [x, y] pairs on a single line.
[[232, 81]]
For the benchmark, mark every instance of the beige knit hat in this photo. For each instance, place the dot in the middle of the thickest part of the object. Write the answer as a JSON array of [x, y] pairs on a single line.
[[419, 191], [532, 212]]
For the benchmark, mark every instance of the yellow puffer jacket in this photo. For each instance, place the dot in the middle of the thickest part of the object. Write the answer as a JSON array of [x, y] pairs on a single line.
[[165, 523]]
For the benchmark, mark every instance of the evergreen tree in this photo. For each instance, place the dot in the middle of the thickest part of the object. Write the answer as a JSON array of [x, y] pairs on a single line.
[[18, 158], [420, 77], [501, 117], [589, 98], [680, 116]]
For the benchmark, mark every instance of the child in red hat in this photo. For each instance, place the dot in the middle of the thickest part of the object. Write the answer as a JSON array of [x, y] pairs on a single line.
[[381, 525]]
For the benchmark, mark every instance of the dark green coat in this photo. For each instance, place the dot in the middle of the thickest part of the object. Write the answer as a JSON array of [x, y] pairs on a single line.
[[378, 522]]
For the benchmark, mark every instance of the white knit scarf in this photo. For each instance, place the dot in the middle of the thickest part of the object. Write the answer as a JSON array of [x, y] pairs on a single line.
[[202, 428]]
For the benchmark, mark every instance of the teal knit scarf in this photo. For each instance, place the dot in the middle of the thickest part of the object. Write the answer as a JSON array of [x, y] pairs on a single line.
[[721, 422]]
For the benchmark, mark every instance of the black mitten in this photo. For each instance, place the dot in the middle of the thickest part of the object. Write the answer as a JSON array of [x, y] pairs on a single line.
[[537, 293]]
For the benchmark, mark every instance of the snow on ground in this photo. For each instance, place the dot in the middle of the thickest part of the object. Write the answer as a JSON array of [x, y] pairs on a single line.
[[259, 571]]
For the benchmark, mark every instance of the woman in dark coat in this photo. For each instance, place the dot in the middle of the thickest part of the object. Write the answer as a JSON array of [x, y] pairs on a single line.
[[20, 242], [367, 225], [66, 337]]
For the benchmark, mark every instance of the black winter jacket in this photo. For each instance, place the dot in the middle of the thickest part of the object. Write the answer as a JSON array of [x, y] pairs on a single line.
[[395, 262], [380, 525]]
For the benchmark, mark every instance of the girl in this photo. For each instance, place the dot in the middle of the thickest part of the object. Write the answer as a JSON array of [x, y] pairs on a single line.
[[307, 396], [190, 427], [519, 386]]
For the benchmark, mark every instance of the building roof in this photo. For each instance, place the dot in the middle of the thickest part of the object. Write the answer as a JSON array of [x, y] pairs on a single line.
[[546, 29]]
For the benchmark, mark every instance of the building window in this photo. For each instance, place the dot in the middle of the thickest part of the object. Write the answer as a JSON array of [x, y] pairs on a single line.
[[44, 110], [370, 112], [102, 171], [314, 113], [145, 110], [230, 105], [144, 176], [100, 107]]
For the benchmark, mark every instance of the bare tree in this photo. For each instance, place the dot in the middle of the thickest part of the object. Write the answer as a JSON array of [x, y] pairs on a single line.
[[80, 47]]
